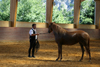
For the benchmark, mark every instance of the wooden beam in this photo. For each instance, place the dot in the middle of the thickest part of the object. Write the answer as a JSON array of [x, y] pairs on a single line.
[[97, 14], [13, 12], [49, 10], [97, 0], [82, 0], [77, 4]]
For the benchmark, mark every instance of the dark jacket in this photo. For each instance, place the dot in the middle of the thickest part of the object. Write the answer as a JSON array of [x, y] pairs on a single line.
[[32, 37]]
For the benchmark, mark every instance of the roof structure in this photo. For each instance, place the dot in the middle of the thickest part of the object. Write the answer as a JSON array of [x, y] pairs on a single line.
[[49, 10]]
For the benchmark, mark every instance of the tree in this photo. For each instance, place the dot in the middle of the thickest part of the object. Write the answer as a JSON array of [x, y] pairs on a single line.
[[87, 12], [63, 15], [5, 10], [57, 16], [31, 11]]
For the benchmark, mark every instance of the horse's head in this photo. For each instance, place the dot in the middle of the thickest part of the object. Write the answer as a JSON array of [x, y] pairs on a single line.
[[50, 28]]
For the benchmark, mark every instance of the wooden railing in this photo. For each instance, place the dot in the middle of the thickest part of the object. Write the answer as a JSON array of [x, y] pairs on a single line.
[[44, 25]]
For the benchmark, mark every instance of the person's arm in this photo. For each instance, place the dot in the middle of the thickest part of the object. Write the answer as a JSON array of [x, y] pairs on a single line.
[[31, 33], [34, 34]]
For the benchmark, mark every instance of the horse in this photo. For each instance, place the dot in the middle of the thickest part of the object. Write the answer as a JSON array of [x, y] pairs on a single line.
[[64, 37]]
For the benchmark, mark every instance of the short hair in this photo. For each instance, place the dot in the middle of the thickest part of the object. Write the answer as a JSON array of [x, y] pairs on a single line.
[[33, 25]]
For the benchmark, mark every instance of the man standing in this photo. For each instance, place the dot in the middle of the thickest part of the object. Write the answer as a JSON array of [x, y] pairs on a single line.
[[33, 38]]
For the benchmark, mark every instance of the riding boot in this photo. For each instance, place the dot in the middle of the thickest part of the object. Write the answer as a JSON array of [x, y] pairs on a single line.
[[33, 53], [33, 56], [28, 55], [29, 52]]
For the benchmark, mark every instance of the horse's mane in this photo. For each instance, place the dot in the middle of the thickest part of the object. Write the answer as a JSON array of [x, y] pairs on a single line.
[[58, 29]]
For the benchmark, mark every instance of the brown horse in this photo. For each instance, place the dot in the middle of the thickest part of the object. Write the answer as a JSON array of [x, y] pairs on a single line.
[[63, 37]]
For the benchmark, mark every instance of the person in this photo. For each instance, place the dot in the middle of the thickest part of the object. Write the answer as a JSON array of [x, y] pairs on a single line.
[[33, 38]]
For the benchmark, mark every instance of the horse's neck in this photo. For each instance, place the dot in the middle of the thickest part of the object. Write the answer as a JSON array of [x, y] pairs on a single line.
[[58, 30]]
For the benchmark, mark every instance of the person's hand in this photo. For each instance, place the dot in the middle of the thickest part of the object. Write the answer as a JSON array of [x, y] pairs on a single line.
[[37, 34]]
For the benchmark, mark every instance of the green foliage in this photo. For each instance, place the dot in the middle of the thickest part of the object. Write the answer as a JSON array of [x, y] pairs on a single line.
[[5, 10], [66, 16], [62, 15], [35, 11], [87, 12], [57, 16], [31, 11]]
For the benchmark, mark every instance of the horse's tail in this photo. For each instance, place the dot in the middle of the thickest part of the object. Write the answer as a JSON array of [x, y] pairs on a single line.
[[88, 46], [88, 49]]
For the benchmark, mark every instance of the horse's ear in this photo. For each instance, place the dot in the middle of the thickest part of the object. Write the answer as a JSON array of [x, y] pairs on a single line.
[[51, 23], [47, 22]]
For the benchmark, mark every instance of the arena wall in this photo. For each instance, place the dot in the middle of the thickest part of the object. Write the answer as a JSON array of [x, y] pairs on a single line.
[[20, 34]]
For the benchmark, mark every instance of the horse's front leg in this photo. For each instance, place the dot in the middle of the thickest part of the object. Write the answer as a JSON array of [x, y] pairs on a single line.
[[59, 52]]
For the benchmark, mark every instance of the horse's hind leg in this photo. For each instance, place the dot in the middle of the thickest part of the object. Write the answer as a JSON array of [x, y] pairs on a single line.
[[82, 48], [86, 44], [88, 51]]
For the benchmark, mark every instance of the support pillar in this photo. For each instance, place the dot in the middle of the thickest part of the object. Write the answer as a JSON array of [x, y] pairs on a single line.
[[49, 10], [13, 12], [77, 4], [97, 14]]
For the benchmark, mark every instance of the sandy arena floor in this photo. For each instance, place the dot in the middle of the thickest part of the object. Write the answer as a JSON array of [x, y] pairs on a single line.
[[15, 55]]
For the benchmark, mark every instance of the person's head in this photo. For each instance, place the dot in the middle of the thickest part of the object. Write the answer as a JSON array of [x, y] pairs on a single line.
[[34, 26]]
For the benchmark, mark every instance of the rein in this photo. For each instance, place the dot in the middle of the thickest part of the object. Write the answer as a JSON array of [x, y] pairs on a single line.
[[43, 33]]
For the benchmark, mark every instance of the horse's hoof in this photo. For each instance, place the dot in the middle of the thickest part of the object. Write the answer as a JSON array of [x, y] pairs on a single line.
[[59, 60], [89, 61], [79, 60], [56, 59]]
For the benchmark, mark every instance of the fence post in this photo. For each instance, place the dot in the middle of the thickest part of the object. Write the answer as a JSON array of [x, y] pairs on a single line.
[[97, 14], [13, 12], [77, 4], [49, 10]]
